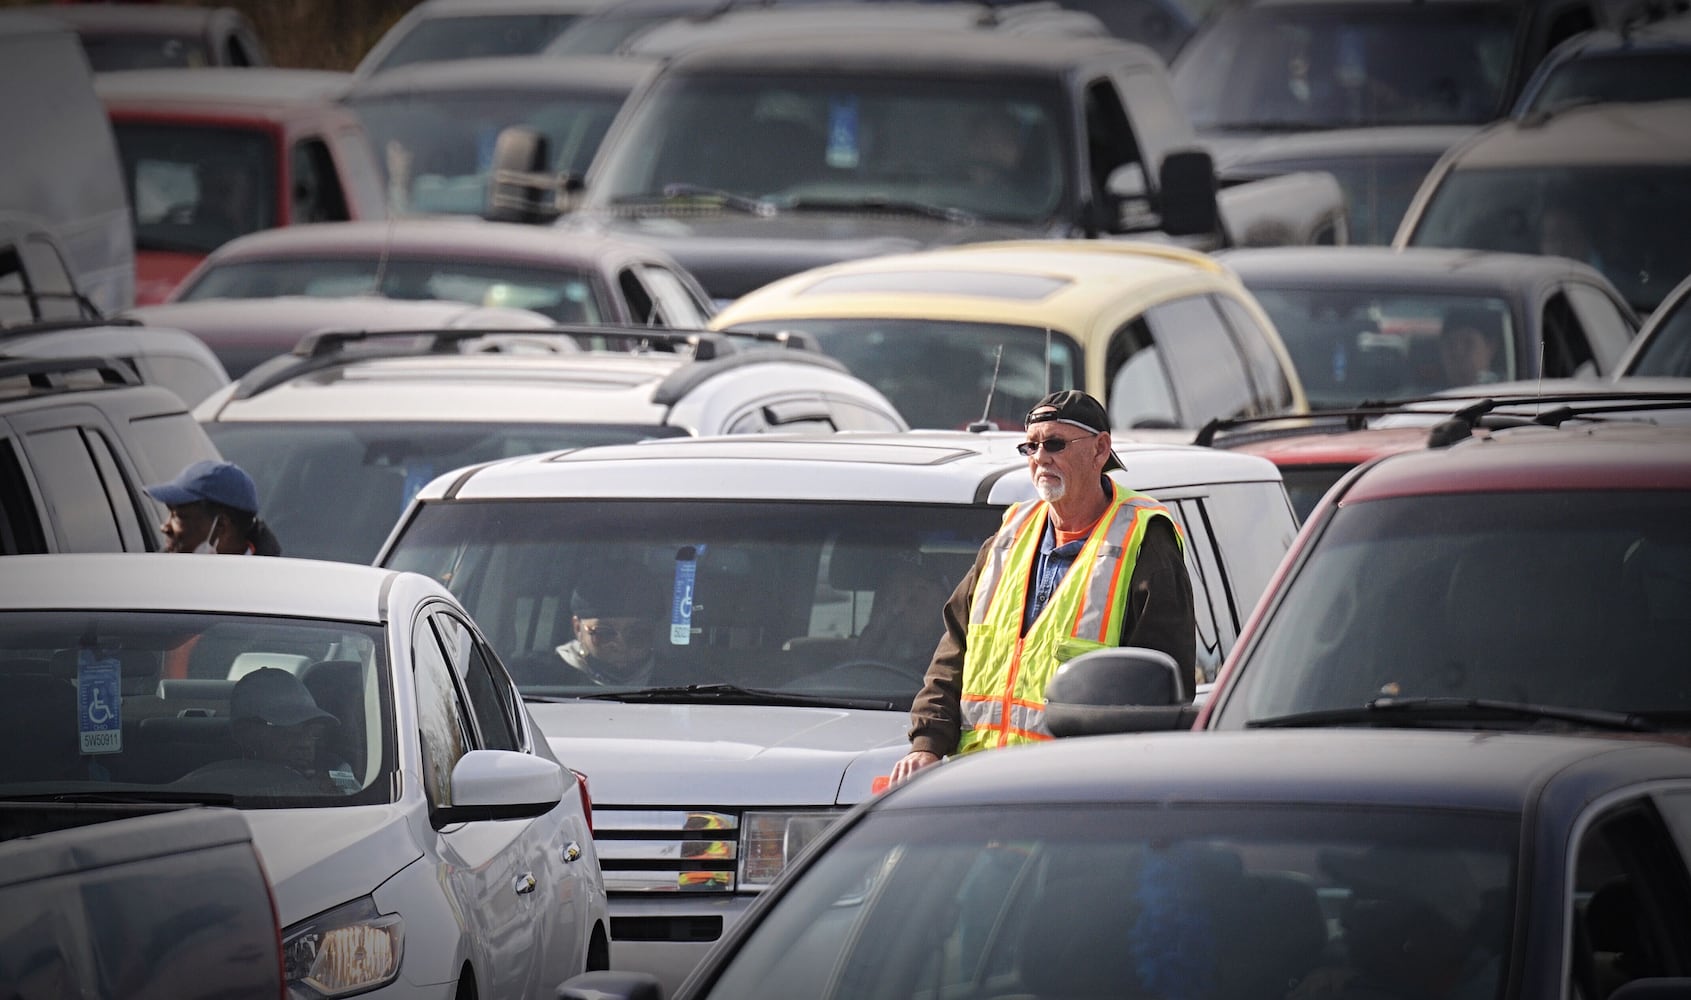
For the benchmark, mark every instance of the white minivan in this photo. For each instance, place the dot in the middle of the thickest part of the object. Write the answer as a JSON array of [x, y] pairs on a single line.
[[795, 586]]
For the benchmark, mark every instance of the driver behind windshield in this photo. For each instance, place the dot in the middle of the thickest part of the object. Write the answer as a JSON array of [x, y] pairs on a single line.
[[615, 624], [283, 737]]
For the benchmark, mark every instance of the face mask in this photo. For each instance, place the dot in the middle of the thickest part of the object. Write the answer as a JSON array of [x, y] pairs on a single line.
[[206, 547]]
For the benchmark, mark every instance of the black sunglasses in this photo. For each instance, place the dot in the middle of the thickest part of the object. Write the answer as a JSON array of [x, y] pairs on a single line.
[[1052, 445]]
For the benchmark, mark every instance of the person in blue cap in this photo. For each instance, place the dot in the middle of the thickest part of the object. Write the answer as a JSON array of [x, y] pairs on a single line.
[[214, 508]]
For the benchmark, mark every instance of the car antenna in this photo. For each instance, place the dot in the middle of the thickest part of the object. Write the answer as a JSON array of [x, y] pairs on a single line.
[[382, 258], [1048, 361], [984, 424]]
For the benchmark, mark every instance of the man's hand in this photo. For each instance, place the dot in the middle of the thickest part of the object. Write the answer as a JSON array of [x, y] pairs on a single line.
[[912, 762]]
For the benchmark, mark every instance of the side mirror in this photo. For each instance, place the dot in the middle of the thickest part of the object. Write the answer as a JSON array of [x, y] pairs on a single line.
[[1126, 690], [611, 986], [501, 784], [1129, 200], [1188, 184], [521, 188]]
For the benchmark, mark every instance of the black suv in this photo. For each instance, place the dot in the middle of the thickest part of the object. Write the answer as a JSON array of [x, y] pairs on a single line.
[[79, 438]]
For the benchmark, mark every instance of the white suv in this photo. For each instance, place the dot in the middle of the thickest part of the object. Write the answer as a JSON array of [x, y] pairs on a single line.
[[800, 580], [342, 433]]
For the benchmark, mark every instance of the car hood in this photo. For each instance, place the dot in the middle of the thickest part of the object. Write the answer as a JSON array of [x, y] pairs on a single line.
[[733, 254], [723, 755], [320, 858]]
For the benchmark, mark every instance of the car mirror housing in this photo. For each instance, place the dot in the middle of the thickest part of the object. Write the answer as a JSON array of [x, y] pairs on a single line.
[[1188, 186], [502, 784], [611, 986], [522, 186], [1126, 690]]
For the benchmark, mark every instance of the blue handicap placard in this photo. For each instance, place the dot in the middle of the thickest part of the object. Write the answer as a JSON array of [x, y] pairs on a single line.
[[681, 603], [99, 703]]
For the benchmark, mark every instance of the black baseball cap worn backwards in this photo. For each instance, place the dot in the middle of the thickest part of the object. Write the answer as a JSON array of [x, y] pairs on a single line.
[[1072, 406]]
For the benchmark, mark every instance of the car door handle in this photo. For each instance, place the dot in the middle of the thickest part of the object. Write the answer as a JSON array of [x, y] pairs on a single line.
[[524, 883], [571, 852]]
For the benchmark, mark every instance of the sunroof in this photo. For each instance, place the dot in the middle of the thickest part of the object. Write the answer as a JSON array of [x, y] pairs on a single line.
[[985, 284]]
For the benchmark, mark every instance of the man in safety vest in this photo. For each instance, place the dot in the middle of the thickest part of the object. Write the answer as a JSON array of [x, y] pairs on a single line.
[[1090, 564]]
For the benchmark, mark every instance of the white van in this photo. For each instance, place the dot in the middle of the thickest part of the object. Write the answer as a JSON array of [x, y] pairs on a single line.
[[61, 183]]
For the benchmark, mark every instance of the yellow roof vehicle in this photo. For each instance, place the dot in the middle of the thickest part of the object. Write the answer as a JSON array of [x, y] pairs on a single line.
[[1167, 337]]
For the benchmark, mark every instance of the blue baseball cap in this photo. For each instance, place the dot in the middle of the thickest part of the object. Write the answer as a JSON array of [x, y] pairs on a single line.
[[220, 482]]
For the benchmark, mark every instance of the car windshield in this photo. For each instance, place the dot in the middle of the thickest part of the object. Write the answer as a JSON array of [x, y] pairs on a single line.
[[437, 149], [1128, 900], [473, 36], [1356, 346], [1623, 220], [1668, 351], [824, 599], [151, 706], [1314, 66], [991, 149], [1518, 597], [193, 187], [1631, 75], [566, 295], [111, 51], [300, 466], [947, 374], [602, 34]]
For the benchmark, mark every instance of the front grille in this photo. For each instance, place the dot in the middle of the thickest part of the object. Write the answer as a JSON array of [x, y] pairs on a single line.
[[656, 850]]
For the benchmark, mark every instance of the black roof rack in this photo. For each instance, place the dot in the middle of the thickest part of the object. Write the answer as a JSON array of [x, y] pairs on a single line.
[[90, 313], [329, 348], [50, 374], [1465, 413]]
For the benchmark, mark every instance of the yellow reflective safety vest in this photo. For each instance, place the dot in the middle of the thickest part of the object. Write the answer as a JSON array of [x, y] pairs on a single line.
[[1005, 672]]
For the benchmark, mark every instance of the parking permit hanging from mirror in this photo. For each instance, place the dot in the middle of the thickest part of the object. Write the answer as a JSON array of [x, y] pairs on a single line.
[[99, 719], [681, 601]]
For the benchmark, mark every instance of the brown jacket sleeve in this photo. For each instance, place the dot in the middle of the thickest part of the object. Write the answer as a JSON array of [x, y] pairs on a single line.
[[1159, 616]]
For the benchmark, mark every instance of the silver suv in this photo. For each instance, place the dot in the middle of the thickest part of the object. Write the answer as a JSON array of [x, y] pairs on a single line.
[[340, 434], [796, 585]]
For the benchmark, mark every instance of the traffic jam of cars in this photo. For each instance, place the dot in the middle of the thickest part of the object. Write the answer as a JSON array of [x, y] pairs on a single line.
[[859, 499]]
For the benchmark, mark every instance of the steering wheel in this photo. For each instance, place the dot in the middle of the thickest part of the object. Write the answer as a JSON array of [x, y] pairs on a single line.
[[870, 665]]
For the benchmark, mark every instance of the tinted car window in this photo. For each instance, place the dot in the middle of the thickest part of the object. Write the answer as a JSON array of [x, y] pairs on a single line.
[[1469, 596], [488, 704], [1668, 351], [1210, 605], [1141, 391], [1333, 66], [1608, 329], [1632, 75], [299, 465], [1353, 345], [1111, 900], [1377, 189], [945, 374], [767, 595], [20, 523], [1268, 379], [71, 483], [441, 722], [1205, 359], [1622, 220], [194, 188], [563, 293]]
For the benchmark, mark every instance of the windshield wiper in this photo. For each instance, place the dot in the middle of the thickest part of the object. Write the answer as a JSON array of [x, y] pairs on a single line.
[[880, 203], [729, 199], [1389, 712], [730, 694]]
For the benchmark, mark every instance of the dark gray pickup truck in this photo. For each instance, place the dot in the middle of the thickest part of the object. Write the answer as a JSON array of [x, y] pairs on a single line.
[[751, 159], [112, 899]]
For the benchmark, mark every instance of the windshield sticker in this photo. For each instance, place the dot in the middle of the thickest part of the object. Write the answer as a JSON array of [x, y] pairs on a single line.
[[681, 604], [99, 718], [842, 132]]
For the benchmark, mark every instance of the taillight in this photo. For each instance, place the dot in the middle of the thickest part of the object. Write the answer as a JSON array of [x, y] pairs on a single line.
[[586, 797]]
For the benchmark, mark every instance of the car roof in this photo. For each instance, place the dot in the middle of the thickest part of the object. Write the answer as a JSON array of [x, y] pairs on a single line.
[[1498, 772], [915, 54], [498, 7], [305, 588], [1080, 279], [1345, 448], [1408, 268], [946, 467], [579, 74], [1651, 132], [255, 89], [456, 237], [1337, 143], [735, 24], [1589, 458]]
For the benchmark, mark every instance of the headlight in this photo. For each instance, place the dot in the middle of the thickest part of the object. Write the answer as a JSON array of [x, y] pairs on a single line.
[[771, 840], [347, 950]]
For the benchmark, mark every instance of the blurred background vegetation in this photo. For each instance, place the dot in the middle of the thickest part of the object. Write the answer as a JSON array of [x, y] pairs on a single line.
[[312, 34]]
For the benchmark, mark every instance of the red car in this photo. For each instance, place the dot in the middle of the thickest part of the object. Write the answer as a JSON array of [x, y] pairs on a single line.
[[1539, 577], [213, 153]]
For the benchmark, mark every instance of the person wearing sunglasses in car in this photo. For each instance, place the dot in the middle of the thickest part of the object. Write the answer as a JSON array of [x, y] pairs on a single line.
[[1090, 564], [615, 626]]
